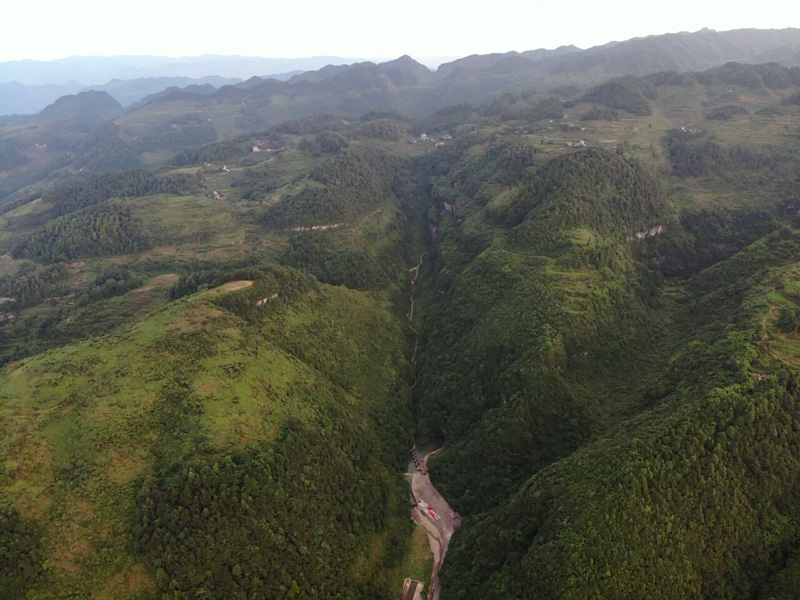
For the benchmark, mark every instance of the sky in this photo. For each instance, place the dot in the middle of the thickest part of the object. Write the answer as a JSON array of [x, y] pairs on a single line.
[[51, 29]]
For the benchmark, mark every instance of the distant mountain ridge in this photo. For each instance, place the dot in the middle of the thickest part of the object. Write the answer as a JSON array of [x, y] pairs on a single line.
[[477, 61], [178, 117], [676, 52], [97, 70], [90, 107], [128, 91], [401, 72], [129, 79], [409, 87], [18, 98], [683, 52]]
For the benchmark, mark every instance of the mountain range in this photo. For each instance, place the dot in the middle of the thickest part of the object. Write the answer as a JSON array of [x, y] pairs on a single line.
[[96, 70], [28, 86], [553, 295]]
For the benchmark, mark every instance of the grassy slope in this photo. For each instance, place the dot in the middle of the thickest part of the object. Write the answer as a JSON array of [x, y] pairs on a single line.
[[82, 425], [74, 433], [84, 421]]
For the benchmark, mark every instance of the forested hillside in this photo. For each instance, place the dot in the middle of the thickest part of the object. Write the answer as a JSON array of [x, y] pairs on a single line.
[[201, 384], [679, 502], [215, 357], [550, 255], [313, 418], [611, 430], [74, 136]]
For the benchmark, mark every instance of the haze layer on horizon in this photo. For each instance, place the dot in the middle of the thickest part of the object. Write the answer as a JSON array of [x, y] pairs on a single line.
[[446, 28]]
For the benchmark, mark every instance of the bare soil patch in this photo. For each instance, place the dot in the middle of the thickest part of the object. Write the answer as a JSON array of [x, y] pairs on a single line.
[[162, 281], [232, 286]]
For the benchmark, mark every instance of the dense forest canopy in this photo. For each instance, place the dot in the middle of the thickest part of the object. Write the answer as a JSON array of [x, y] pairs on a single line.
[[226, 316]]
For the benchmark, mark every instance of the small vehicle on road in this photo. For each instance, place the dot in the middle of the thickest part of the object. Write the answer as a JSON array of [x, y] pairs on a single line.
[[428, 511]]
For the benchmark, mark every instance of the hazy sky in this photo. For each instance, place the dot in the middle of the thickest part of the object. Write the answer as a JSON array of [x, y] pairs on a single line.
[[50, 29]]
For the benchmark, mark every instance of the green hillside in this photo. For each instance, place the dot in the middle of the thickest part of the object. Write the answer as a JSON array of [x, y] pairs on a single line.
[[75, 136], [609, 432], [560, 268], [174, 348], [690, 473], [97, 437], [214, 361]]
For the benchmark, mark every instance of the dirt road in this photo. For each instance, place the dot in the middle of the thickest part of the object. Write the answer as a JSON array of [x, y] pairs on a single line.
[[439, 532]]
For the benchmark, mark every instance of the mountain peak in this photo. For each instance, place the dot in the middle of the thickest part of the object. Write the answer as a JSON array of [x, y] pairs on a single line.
[[405, 62], [91, 105]]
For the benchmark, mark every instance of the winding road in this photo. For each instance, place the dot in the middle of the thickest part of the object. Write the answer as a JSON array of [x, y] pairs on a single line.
[[439, 531]]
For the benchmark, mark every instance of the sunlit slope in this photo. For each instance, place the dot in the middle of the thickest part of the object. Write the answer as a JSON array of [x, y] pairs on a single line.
[[126, 454], [75, 260]]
